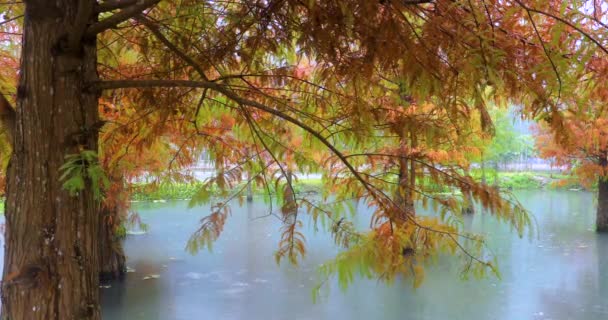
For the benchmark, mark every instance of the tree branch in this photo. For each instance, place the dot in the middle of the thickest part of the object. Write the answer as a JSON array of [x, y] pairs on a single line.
[[121, 16], [153, 27], [566, 22], [542, 43], [123, 84], [11, 19], [414, 2], [110, 5]]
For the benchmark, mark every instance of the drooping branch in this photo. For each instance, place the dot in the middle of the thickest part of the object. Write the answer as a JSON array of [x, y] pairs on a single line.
[[387, 202], [123, 84], [119, 17]]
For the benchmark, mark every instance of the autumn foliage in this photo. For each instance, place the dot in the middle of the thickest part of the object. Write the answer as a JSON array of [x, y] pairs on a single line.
[[383, 98], [582, 151]]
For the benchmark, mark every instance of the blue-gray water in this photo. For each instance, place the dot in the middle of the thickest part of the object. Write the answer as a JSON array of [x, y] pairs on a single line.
[[561, 274]]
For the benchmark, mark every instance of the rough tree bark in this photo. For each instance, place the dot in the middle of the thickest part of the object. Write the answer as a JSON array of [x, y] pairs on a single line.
[[602, 200], [51, 261], [111, 253]]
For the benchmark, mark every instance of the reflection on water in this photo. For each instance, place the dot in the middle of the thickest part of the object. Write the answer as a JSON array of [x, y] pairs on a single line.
[[561, 274]]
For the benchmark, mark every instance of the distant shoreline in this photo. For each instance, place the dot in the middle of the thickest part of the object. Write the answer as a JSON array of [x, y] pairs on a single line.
[[528, 180]]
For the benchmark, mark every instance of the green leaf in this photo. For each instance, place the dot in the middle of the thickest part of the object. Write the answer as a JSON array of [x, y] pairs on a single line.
[[81, 167]]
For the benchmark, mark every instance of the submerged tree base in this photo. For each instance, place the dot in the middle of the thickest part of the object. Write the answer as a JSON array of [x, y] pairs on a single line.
[[602, 221], [113, 269]]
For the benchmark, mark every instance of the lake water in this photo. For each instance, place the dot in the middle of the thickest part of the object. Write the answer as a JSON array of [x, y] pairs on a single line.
[[562, 273]]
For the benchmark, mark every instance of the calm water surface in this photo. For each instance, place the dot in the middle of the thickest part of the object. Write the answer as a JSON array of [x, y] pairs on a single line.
[[561, 274]]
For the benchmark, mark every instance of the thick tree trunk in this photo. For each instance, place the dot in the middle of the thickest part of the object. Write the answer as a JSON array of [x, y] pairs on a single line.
[[112, 256], [602, 201], [51, 263]]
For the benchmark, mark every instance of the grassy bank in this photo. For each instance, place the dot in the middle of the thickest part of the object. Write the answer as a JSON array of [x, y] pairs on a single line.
[[529, 180], [505, 180], [181, 191]]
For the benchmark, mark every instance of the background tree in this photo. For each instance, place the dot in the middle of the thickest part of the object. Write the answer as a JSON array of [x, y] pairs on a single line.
[[506, 144], [584, 153]]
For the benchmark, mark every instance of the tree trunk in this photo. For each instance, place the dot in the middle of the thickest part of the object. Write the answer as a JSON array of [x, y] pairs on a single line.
[[602, 201], [112, 215], [410, 195], [249, 188], [403, 194], [496, 183], [249, 192], [468, 206], [51, 263], [112, 256], [289, 177], [483, 172]]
